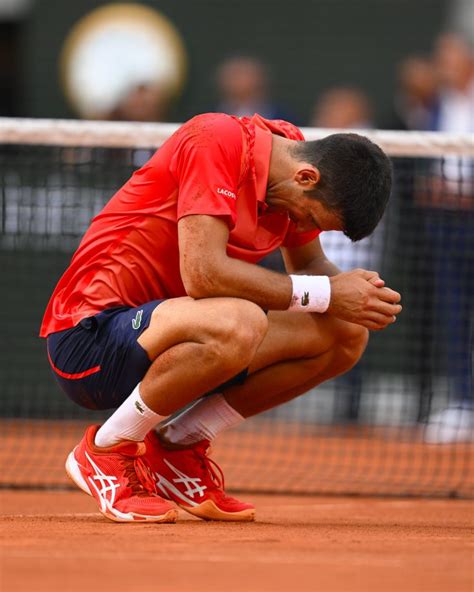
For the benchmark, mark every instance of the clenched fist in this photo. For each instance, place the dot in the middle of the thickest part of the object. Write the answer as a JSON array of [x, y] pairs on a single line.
[[360, 297]]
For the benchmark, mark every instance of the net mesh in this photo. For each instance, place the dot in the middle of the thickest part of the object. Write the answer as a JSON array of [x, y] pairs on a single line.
[[399, 423]]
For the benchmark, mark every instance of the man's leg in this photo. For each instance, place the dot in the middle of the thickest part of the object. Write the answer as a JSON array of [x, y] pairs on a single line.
[[197, 345], [298, 352], [193, 346]]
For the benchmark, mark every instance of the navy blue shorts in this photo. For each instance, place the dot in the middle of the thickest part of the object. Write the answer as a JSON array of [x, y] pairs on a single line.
[[99, 362]]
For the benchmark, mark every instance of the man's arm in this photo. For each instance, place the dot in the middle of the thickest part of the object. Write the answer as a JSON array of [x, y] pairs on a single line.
[[309, 259], [207, 272]]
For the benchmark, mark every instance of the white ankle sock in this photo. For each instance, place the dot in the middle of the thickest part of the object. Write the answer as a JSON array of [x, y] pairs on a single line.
[[207, 418], [131, 421]]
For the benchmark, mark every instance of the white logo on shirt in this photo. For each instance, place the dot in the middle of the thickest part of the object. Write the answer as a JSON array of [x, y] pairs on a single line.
[[226, 192]]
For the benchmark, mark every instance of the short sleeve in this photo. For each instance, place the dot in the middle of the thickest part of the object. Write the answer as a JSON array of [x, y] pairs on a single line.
[[206, 165], [294, 238]]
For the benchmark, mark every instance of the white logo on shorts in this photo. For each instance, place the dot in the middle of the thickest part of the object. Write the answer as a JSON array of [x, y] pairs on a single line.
[[137, 321]]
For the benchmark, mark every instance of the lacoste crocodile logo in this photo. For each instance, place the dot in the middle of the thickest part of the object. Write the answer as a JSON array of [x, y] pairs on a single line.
[[305, 299], [137, 321], [139, 408]]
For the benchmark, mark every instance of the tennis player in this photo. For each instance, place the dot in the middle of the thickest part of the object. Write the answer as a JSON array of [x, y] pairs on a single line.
[[163, 311]]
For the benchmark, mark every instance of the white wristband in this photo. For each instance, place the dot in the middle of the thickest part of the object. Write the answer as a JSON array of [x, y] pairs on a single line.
[[311, 293]]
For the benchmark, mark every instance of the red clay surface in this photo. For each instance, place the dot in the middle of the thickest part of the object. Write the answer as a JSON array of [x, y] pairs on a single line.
[[57, 541]]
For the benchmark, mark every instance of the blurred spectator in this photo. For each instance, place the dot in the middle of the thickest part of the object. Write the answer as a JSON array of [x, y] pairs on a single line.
[[415, 102], [344, 108], [454, 63], [243, 86], [447, 196], [348, 108], [143, 102], [140, 102]]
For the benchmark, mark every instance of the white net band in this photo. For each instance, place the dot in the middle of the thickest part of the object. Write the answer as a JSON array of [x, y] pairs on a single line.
[[57, 132]]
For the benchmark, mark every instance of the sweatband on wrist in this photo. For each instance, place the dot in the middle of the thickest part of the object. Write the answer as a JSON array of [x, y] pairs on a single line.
[[311, 293]]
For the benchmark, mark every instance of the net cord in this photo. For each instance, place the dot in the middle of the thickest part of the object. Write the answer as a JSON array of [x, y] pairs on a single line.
[[63, 132]]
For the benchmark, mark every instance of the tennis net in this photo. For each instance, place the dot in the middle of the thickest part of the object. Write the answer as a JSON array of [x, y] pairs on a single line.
[[400, 423]]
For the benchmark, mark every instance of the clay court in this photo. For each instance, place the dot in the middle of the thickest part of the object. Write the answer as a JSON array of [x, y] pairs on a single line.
[[57, 541]]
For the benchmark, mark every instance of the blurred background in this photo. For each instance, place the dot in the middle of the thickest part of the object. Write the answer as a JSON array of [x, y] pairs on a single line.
[[360, 64], [299, 54]]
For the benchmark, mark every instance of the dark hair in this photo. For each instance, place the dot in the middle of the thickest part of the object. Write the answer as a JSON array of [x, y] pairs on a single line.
[[356, 178]]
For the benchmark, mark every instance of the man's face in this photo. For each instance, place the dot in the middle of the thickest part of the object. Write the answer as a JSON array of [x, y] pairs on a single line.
[[310, 214], [307, 212], [289, 194]]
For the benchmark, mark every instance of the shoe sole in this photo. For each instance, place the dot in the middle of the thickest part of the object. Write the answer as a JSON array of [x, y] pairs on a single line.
[[169, 518], [209, 511], [74, 473]]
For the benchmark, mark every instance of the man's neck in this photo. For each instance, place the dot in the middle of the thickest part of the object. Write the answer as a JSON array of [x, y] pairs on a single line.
[[280, 160]]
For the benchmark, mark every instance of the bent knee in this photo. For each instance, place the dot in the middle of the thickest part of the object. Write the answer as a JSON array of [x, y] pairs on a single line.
[[351, 341], [242, 327]]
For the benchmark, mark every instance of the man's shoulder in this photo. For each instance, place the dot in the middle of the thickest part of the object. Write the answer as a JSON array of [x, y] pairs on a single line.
[[221, 126], [211, 135], [208, 124], [279, 127]]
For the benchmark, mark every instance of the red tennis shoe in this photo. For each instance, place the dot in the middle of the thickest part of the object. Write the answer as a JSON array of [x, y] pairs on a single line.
[[120, 481], [193, 481]]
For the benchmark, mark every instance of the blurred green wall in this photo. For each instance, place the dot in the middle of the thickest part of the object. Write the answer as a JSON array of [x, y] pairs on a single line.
[[311, 44]]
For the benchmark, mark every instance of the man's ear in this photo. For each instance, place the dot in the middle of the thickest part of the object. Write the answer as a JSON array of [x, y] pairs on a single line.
[[308, 177]]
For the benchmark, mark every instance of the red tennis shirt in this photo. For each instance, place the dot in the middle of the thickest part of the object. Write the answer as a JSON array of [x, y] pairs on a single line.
[[215, 164]]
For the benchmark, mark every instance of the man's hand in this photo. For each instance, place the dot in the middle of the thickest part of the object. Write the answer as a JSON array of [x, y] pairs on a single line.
[[359, 296]]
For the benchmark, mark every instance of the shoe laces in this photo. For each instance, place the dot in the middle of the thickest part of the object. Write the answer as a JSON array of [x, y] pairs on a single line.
[[139, 475], [210, 467]]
